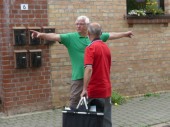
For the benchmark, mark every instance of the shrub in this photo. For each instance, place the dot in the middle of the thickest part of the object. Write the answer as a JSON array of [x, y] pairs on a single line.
[[117, 98]]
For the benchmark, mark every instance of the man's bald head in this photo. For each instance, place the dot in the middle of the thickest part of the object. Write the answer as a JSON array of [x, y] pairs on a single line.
[[95, 29]]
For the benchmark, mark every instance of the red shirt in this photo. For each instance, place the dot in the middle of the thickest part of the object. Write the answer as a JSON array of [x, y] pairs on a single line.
[[98, 55]]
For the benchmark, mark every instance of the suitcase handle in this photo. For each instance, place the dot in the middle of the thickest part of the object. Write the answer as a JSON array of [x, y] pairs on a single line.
[[82, 100]]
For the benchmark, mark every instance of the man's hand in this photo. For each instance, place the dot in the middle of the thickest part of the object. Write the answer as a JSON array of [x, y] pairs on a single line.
[[35, 34], [84, 93], [129, 34]]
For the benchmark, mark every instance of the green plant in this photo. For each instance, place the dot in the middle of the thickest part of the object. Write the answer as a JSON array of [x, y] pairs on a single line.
[[147, 7], [117, 99], [153, 8], [134, 5], [151, 95]]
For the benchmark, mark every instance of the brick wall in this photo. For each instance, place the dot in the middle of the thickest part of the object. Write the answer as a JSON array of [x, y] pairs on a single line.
[[0, 53], [139, 65], [24, 90]]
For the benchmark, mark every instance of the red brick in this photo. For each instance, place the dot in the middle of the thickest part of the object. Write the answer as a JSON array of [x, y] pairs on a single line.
[[7, 81], [21, 98], [9, 104], [11, 94], [29, 101], [35, 91], [8, 85], [19, 103], [46, 90], [21, 93], [29, 88]]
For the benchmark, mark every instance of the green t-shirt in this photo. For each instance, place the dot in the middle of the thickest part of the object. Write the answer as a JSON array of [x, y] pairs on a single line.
[[76, 45]]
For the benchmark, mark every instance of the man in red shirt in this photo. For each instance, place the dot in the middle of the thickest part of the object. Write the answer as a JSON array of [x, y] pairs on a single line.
[[97, 61]]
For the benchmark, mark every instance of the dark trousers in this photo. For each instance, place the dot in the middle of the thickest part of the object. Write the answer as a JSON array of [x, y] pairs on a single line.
[[107, 121]]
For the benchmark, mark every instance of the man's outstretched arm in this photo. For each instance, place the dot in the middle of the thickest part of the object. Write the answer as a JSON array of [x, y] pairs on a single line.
[[46, 36], [114, 35]]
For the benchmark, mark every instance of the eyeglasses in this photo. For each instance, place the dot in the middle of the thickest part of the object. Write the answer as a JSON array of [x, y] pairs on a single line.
[[80, 24]]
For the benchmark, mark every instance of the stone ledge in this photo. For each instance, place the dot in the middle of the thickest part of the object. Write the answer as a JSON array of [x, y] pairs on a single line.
[[151, 19]]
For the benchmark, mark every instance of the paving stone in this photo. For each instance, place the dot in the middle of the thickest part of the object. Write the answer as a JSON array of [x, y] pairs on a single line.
[[137, 112]]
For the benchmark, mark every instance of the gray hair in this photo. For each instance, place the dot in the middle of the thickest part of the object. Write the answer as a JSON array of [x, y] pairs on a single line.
[[85, 18], [95, 29]]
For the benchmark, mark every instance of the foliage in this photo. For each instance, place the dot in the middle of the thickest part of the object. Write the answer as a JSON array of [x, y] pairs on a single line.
[[148, 7], [152, 7], [151, 95], [133, 5], [117, 99]]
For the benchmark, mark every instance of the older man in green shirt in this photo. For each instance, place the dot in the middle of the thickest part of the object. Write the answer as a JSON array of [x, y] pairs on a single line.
[[76, 43]]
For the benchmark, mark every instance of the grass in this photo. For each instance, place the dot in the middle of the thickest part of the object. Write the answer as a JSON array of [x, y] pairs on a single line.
[[152, 95], [117, 99], [148, 95]]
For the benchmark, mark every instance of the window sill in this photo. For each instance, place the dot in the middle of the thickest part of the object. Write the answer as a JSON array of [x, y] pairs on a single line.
[[153, 19]]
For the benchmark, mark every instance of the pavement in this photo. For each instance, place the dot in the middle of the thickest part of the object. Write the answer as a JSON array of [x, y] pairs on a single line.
[[152, 111]]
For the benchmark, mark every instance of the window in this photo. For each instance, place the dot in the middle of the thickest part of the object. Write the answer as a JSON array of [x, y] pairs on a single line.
[[146, 12], [143, 5]]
